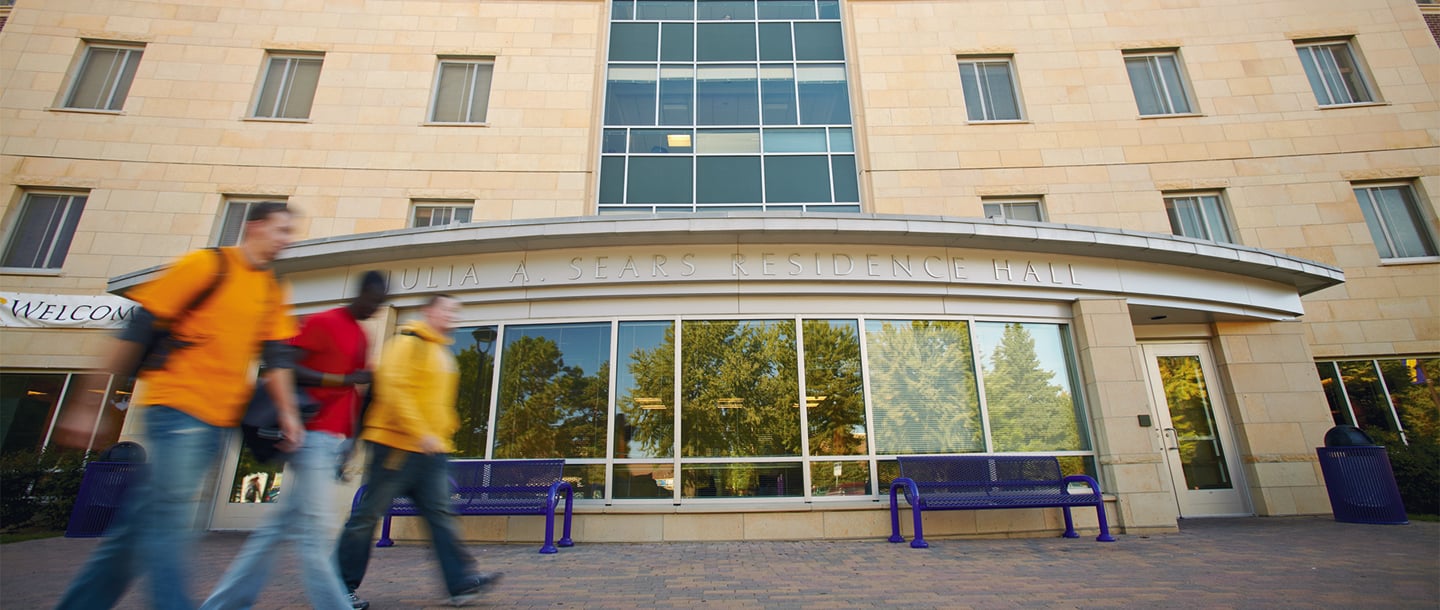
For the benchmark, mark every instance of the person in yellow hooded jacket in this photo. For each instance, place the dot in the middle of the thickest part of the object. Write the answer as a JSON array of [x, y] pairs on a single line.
[[410, 429]]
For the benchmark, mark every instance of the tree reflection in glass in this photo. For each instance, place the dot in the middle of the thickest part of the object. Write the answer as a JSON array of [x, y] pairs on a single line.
[[739, 389], [1192, 416], [554, 389], [922, 383], [835, 390], [1027, 388], [645, 390], [475, 356]]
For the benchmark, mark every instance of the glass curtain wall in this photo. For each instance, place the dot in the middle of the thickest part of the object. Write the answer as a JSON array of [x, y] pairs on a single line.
[[1395, 396], [684, 410], [32, 402], [727, 105]]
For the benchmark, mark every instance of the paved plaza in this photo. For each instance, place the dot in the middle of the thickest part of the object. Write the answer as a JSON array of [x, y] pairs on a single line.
[[1290, 562]]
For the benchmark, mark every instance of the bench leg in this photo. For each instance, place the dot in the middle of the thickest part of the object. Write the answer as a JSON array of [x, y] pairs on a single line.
[[385, 534], [549, 546], [919, 541], [1104, 525], [1069, 524], [565, 540], [895, 518]]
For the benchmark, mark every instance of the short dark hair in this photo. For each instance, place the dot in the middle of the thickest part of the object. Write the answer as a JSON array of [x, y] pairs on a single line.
[[373, 280], [261, 210], [436, 297]]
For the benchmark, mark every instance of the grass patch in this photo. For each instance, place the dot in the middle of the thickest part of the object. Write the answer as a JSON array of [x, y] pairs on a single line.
[[1415, 517]]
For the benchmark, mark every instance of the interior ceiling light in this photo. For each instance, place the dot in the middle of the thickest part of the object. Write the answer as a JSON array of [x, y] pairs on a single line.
[[678, 140]]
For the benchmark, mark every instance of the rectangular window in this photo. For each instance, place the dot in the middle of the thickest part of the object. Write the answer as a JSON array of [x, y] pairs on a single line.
[[1199, 215], [1014, 209], [990, 90], [1396, 223], [923, 387], [40, 238], [288, 87], [232, 222], [104, 77], [1334, 73], [1157, 82], [436, 213], [462, 90]]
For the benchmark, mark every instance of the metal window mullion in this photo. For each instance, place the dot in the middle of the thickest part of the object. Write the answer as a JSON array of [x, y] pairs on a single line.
[[112, 76], [495, 392], [804, 405], [1338, 91], [869, 410], [467, 94], [1206, 233], [1157, 77], [1374, 203], [675, 449], [612, 411], [53, 226], [1390, 402], [287, 74], [60, 403]]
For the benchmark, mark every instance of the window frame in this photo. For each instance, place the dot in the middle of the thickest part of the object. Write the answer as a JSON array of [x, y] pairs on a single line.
[[450, 206], [1351, 53], [473, 64], [1151, 57], [1417, 212], [985, 109], [1222, 206], [229, 203], [1004, 204], [286, 86], [53, 229], [83, 68]]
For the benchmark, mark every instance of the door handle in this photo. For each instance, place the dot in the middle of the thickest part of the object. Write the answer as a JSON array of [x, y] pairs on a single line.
[[1174, 444]]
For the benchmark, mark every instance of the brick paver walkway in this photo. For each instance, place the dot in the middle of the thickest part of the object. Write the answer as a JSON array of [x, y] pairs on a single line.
[[1296, 562]]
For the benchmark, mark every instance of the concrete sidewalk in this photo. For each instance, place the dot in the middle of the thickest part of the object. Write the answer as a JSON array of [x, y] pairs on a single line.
[[1294, 562]]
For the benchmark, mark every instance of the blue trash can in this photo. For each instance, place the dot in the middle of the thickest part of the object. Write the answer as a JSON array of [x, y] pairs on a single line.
[[1361, 485], [102, 492]]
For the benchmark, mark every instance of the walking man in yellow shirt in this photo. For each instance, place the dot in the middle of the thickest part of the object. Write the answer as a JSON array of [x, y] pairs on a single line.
[[192, 400], [411, 428]]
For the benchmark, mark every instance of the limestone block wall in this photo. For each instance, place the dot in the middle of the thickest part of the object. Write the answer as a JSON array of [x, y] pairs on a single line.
[[158, 170], [1284, 165], [1279, 413], [1113, 373]]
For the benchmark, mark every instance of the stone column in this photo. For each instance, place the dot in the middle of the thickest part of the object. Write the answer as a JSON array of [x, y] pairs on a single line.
[[1113, 373], [1279, 412]]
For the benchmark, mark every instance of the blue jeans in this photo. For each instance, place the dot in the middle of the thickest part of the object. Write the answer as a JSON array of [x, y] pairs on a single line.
[[304, 516], [155, 532], [426, 480]]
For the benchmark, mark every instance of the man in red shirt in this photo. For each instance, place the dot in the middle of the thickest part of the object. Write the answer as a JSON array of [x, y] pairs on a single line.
[[331, 363]]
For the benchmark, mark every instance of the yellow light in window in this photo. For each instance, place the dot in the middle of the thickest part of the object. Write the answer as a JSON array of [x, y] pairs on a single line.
[[678, 140]]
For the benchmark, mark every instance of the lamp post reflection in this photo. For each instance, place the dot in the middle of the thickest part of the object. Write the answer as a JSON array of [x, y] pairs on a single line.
[[484, 374]]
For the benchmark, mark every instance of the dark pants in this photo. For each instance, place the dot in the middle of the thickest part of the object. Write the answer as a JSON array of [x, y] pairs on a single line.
[[426, 480]]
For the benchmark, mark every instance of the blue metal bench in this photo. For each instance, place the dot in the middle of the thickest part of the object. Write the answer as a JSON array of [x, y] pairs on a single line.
[[498, 487], [976, 482]]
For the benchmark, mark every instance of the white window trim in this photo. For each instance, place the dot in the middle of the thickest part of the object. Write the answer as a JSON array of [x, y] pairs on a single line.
[[1007, 202], [451, 205], [470, 90], [1009, 61], [1186, 90], [1425, 227], [14, 225], [1360, 67], [225, 203], [63, 103], [286, 88], [1228, 221]]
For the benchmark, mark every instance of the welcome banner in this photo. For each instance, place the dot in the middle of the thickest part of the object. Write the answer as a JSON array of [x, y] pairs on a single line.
[[25, 310]]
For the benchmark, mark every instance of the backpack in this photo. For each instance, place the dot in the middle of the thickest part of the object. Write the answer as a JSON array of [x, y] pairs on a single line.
[[153, 334]]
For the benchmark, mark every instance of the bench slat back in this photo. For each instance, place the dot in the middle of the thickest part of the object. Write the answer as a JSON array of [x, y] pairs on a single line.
[[982, 473], [503, 480]]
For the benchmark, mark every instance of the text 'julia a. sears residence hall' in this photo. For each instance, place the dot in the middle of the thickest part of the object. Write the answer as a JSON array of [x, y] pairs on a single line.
[[728, 258]]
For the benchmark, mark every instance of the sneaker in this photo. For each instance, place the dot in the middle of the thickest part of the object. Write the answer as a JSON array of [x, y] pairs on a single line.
[[479, 586], [357, 603]]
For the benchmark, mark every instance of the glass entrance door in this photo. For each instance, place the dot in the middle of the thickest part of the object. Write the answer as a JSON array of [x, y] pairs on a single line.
[[246, 490], [1194, 430]]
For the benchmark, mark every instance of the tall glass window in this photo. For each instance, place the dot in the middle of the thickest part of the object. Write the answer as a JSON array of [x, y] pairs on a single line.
[[1396, 396], [805, 408], [694, 86]]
